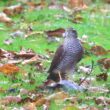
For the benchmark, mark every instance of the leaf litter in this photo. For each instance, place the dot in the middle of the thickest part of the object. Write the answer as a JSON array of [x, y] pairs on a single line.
[[10, 60]]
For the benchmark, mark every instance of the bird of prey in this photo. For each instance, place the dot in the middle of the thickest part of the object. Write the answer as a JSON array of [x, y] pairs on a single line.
[[66, 56]]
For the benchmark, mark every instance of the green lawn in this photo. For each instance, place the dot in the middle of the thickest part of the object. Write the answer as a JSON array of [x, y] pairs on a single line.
[[95, 24]]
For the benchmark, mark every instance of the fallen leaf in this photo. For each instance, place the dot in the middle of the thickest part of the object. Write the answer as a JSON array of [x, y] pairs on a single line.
[[29, 106], [102, 76], [9, 69], [105, 62], [98, 50], [34, 5], [36, 58], [25, 54], [102, 101], [10, 99], [12, 10], [55, 33], [6, 54], [40, 101], [77, 4]]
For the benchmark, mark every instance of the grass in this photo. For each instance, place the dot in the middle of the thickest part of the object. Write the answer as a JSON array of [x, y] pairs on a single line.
[[93, 25]]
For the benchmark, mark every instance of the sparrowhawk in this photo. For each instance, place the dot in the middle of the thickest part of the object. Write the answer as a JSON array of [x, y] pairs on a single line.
[[66, 57]]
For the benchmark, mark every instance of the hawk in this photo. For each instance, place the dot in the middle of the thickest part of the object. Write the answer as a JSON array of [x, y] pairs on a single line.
[[66, 56]]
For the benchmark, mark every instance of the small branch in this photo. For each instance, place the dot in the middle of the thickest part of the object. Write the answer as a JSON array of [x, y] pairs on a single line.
[[92, 65]]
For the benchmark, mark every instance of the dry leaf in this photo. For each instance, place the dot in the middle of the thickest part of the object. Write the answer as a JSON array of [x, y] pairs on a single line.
[[10, 99], [29, 106], [102, 100], [102, 76], [6, 54], [34, 5], [36, 58], [98, 50], [77, 4], [9, 69], [105, 62], [12, 10], [25, 55], [40, 101], [55, 33]]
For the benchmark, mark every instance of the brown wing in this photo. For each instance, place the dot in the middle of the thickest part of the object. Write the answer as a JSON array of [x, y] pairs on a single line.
[[57, 58]]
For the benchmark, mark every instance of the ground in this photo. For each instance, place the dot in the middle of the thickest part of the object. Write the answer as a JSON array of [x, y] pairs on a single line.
[[92, 25]]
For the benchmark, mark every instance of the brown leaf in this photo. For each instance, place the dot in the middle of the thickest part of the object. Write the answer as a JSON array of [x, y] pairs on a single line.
[[36, 58], [108, 1], [6, 54], [29, 106], [10, 99], [34, 5], [26, 54], [9, 69], [77, 4], [102, 100], [40, 101], [98, 50], [12, 10], [55, 33], [105, 62], [102, 76]]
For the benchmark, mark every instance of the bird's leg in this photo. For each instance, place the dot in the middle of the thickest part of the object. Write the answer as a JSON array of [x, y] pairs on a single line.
[[59, 74]]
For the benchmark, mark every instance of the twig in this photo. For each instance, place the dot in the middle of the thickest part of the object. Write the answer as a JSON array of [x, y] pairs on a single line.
[[87, 74]]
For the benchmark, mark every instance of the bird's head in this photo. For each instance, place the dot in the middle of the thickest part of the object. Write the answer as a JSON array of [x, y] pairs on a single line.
[[70, 32]]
